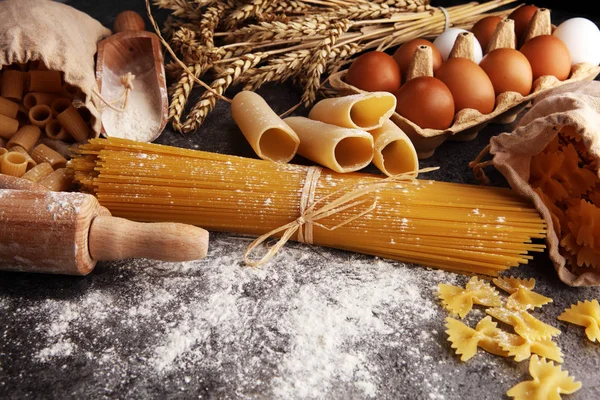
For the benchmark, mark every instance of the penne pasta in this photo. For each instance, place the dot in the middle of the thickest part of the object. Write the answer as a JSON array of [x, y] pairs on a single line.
[[38, 172], [74, 123], [394, 152], [13, 84], [270, 137], [337, 148], [30, 161], [54, 130], [8, 108], [32, 99], [42, 153], [365, 111], [59, 180], [45, 81], [26, 137], [59, 105], [8, 126], [40, 115], [13, 164]]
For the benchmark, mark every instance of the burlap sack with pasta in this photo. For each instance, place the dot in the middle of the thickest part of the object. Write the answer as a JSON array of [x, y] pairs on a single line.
[[551, 157], [60, 36]]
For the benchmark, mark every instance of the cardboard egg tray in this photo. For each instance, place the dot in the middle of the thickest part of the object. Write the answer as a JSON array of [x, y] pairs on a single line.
[[468, 122]]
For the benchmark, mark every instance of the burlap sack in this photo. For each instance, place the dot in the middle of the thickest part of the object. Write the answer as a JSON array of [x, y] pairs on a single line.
[[575, 104], [60, 36]]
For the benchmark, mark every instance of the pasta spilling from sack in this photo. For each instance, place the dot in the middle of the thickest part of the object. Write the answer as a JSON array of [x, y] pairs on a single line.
[[458, 227]]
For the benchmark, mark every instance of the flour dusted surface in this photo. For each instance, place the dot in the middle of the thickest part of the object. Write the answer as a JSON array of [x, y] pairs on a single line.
[[312, 324]]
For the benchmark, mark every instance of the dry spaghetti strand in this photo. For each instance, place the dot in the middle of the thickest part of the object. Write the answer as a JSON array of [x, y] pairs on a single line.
[[452, 226]]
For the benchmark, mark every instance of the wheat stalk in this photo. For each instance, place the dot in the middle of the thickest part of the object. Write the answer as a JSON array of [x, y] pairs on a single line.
[[208, 100], [318, 61], [246, 11], [277, 30], [277, 69]]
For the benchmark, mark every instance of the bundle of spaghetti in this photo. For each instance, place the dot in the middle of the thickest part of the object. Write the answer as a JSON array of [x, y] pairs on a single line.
[[453, 226]]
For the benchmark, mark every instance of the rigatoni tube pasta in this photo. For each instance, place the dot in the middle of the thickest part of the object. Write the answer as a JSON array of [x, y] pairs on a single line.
[[270, 137], [394, 152], [337, 148], [26, 137], [45, 81], [13, 164], [42, 153], [8, 126], [38, 172], [8, 108], [31, 163], [361, 111]]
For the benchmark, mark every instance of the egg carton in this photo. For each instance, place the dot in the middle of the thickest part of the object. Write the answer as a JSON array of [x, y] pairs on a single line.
[[469, 122]]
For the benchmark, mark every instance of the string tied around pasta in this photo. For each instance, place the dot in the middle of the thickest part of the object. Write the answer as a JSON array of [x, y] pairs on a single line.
[[127, 82], [310, 214]]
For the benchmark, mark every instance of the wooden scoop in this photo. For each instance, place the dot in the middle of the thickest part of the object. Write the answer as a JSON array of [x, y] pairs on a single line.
[[68, 232], [132, 51]]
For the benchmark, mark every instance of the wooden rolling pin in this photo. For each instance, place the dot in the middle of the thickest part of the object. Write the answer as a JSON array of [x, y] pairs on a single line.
[[68, 232]]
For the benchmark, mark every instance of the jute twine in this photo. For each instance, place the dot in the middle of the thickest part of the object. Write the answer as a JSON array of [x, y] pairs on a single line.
[[309, 213]]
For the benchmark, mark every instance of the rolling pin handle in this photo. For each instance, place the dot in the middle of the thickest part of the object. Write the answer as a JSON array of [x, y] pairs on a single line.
[[114, 238], [129, 21]]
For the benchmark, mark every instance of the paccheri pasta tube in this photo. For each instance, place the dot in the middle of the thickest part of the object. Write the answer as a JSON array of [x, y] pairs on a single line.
[[39, 115], [340, 149], [394, 152], [270, 137], [365, 111]]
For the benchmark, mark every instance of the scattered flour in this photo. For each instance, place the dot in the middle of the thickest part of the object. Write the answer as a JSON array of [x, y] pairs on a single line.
[[305, 326]]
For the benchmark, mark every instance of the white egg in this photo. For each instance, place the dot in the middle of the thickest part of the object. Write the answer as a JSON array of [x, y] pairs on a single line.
[[582, 38], [445, 41]]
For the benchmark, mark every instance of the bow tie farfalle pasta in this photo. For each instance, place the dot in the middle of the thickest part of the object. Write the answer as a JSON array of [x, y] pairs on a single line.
[[521, 348], [549, 382], [466, 339], [532, 338], [565, 177], [586, 313], [459, 300], [524, 324], [522, 296]]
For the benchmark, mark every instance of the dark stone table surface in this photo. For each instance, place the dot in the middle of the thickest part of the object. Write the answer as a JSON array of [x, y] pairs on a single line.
[[314, 323]]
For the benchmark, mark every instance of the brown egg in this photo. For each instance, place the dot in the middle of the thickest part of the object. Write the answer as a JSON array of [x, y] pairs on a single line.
[[374, 71], [469, 84], [522, 16], [427, 102], [548, 55], [509, 70], [403, 55], [484, 29]]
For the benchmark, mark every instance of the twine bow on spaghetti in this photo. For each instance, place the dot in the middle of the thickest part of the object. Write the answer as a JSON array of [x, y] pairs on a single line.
[[310, 214]]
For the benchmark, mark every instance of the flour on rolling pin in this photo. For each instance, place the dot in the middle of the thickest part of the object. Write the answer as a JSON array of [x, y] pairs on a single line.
[[68, 232], [44, 231]]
